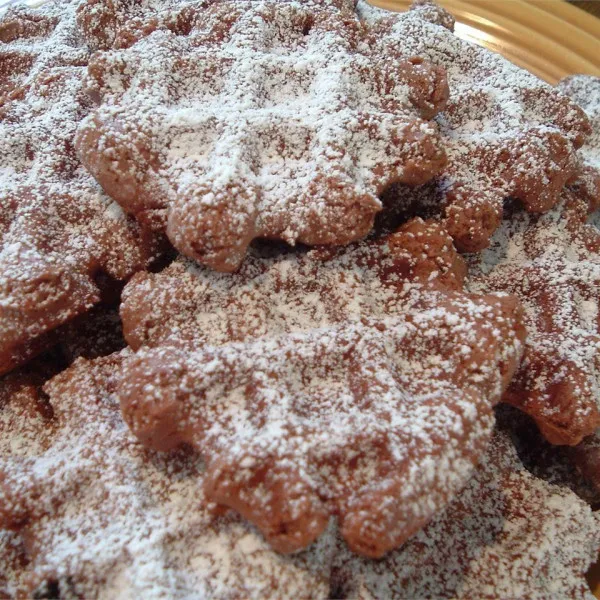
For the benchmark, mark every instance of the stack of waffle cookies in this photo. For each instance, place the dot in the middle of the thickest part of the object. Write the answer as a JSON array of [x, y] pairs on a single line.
[[298, 299]]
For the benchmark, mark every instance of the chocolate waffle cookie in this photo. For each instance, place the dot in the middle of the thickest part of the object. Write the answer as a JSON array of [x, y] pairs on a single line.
[[357, 383], [585, 91], [58, 231], [508, 534], [506, 133], [230, 121], [25, 418], [552, 264], [102, 517], [586, 457]]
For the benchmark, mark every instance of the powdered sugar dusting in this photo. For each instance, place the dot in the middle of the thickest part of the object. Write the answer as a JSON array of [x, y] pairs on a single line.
[[585, 90], [507, 535], [548, 264], [101, 22], [117, 520]]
